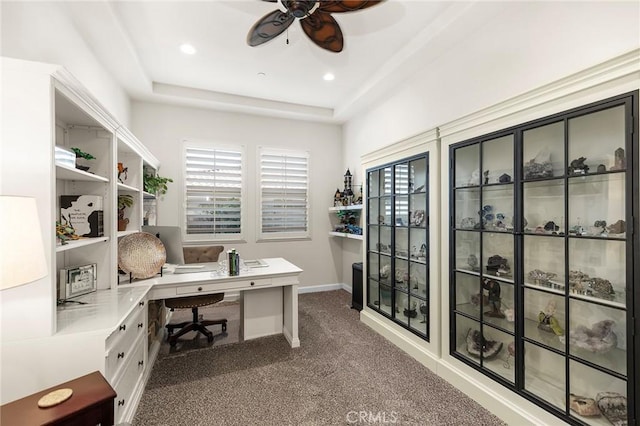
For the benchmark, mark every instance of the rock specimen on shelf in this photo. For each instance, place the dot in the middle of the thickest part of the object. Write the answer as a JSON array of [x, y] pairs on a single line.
[[411, 312], [478, 346], [551, 226], [475, 178], [619, 162], [467, 222], [472, 261], [540, 166], [498, 265], [540, 277], [601, 288], [576, 278], [617, 228], [504, 178], [578, 167], [601, 168], [493, 288], [584, 406], [600, 338], [614, 407], [548, 322], [423, 311]]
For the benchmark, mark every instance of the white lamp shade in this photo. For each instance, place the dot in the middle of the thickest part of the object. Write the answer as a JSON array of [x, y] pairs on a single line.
[[22, 259]]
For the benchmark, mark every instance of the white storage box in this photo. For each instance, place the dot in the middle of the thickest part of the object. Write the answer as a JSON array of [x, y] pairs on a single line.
[[65, 157]]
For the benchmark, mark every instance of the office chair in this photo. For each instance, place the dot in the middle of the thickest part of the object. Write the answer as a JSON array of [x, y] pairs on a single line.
[[171, 237], [201, 254]]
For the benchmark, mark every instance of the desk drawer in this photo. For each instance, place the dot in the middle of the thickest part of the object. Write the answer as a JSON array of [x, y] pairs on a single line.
[[125, 386], [120, 342], [215, 287]]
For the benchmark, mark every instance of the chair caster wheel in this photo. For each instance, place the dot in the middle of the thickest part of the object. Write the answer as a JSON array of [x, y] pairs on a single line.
[[224, 327]]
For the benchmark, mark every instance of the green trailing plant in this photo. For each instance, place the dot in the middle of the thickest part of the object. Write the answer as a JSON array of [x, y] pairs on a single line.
[[155, 184], [82, 154], [124, 201]]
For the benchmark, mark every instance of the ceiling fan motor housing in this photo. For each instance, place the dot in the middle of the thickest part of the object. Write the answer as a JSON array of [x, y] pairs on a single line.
[[300, 8]]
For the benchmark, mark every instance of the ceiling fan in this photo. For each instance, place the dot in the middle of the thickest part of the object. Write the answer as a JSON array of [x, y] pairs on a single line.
[[315, 19]]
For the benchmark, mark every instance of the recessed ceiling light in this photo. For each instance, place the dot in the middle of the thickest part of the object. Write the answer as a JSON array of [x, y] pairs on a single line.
[[188, 49], [261, 74], [329, 77]]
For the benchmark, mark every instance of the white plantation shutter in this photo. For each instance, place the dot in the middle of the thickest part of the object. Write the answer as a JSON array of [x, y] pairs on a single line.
[[284, 194], [213, 192]]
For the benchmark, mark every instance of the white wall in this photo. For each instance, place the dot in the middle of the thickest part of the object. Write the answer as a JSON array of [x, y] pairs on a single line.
[[44, 32], [162, 129], [521, 46]]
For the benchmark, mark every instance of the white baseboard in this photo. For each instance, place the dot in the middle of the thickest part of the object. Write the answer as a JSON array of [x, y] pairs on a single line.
[[324, 287], [396, 336]]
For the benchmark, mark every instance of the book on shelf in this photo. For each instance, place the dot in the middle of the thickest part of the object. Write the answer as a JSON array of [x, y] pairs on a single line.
[[84, 213]]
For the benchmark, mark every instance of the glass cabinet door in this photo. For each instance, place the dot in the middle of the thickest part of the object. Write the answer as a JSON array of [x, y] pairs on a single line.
[[397, 243], [484, 254], [541, 255]]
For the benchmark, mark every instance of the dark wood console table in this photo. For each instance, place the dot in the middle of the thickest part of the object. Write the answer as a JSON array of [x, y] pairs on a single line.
[[91, 404]]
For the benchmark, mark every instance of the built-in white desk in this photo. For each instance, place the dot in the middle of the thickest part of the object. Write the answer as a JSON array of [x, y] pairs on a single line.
[[268, 295]]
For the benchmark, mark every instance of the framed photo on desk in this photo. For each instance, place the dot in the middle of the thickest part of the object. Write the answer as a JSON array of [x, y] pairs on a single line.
[[77, 280]]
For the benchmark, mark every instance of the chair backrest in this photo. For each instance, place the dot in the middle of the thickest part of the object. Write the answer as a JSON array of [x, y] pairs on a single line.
[[171, 237], [202, 254]]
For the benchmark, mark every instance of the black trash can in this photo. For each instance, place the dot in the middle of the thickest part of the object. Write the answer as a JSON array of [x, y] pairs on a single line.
[[356, 287]]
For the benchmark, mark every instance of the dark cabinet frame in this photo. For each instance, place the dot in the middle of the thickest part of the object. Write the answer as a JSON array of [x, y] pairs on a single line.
[[632, 253], [392, 226]]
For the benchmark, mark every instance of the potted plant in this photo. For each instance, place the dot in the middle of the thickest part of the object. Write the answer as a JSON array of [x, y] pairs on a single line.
[[124, 201], [84, 155], [155, 184]]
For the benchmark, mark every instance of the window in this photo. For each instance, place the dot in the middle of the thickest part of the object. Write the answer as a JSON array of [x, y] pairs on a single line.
[[284, 194], [213, 191]]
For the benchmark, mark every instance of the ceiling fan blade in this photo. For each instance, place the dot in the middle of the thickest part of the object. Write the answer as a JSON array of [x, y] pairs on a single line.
[[323, 30], [346, 5], [269, 27]]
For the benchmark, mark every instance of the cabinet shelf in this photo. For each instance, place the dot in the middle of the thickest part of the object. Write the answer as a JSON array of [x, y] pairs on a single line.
[[341, 208], [123, 187], [83, 242], [73, 174], [346, 235]]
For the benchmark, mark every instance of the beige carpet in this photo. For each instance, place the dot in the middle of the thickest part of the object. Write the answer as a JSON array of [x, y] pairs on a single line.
[[343, 373]]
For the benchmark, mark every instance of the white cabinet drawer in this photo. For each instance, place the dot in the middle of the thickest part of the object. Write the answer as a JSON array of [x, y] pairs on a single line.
[[120, 342], [131, 377], [212, 287]]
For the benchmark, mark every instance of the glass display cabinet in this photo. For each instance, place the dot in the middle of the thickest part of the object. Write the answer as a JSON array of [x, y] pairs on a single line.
[[544, 265], [397, 243]]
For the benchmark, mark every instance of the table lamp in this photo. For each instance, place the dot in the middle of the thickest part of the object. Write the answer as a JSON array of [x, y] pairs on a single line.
[[22, 259]]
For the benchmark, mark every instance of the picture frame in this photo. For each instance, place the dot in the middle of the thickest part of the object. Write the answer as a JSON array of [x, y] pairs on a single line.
[[78, 280]]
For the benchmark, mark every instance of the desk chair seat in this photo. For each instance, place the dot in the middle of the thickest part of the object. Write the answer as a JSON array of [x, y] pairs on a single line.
[[200, 254], [194, 302]]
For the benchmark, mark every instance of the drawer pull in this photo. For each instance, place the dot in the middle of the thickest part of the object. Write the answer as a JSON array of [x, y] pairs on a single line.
[[141, 303], [123, 327], [121, 402], [140, 325], [199, 288], [140, 363], [120, 354], [252, 283]]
